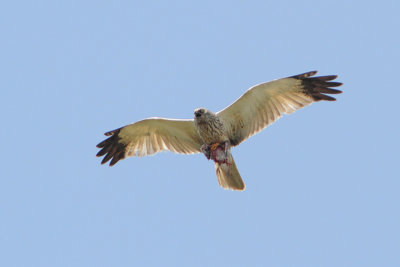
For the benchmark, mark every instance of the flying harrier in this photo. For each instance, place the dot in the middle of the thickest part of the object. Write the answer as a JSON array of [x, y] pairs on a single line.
[[213, 134]]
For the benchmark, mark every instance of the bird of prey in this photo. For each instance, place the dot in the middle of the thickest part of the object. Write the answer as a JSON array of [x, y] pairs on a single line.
[[214, 134]]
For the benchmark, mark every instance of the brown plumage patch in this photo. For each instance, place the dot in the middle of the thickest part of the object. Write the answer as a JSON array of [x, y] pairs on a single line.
[[112, 148], [318, 87]]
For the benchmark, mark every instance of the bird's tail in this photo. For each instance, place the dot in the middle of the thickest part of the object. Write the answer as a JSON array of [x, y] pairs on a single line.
[[228, 174]]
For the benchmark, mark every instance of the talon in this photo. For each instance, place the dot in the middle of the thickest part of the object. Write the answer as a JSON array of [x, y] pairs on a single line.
[[206, 151], [214, 146]]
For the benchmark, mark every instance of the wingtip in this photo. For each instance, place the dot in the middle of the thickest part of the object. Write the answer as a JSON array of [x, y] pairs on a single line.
[[106, 158], [109, 133], [304, 75], [309, 74]]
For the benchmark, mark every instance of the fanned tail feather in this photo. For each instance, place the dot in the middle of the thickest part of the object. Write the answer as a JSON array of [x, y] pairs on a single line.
[[228, 174]]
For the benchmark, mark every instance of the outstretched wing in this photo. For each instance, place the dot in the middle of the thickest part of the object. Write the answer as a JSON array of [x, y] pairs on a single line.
[[148, 137], [263, 104]]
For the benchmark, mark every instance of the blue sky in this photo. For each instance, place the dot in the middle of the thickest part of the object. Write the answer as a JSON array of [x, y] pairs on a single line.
[[322, 183]]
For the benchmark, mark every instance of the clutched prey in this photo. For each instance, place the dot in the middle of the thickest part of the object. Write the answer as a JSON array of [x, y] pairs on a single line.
[[218, 152]]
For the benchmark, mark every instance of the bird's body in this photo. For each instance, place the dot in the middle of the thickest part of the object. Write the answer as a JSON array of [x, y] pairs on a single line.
[[209, 126], [216, 146], [215, 133]]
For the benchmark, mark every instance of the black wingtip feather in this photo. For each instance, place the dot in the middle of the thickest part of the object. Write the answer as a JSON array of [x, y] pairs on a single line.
[[304, 75], [112, 148], [327, 78], [102, 152], [318, 87], [116, 131]]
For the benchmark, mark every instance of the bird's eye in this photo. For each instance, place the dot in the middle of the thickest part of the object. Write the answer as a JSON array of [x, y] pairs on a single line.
[[198, 114]]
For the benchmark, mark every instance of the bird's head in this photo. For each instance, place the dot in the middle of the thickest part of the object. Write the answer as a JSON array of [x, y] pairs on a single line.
[[198, 112], [202, 114]]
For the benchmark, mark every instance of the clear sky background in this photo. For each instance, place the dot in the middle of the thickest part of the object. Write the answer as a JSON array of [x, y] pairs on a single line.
[[322, 184]]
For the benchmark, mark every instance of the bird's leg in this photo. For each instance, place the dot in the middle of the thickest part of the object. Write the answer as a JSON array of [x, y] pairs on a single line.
[[227, 146], [205, 149]]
